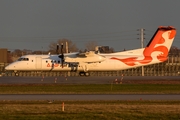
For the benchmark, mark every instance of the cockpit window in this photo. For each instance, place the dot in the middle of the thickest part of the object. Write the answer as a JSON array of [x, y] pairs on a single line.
[[23, 59], [20, 59]]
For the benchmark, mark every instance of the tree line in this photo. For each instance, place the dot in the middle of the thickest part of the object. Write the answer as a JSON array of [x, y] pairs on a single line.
[[68, 47], [89, 46]]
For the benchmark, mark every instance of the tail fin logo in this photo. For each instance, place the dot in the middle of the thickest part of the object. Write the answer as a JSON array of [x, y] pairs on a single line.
[[157, 48]]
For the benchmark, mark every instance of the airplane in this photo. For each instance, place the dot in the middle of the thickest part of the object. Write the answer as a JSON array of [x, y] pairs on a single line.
[[156, 51]]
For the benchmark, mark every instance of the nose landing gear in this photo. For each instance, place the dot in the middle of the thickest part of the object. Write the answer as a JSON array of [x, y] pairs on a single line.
[[15, 73]]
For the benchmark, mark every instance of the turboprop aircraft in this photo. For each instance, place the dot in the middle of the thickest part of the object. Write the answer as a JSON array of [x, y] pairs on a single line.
[[156, 51]]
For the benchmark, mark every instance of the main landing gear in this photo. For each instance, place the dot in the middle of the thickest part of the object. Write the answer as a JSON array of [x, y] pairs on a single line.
[[84, 74], [15, 73]]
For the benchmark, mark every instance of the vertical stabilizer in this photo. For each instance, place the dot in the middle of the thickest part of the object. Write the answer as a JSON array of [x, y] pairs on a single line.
[[161, 41]]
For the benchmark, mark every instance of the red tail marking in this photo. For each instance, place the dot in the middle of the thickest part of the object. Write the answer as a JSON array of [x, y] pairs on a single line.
[[158, 39], [128, 61], [172, 34]]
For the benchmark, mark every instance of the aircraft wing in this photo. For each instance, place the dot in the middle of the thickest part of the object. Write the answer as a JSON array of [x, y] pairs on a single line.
[[88, 57]]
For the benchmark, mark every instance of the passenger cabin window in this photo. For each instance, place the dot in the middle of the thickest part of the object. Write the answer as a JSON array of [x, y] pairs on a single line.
[[23, 59]]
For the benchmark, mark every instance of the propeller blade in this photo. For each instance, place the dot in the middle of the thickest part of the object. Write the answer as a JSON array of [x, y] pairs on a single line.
[[62, 55], [61, 48], [57, 49]]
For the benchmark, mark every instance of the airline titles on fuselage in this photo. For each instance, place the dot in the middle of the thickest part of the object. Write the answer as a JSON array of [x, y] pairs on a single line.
[[56, 65]]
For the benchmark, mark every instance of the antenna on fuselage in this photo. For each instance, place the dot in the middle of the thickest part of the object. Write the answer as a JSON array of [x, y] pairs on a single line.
[[42, 50]]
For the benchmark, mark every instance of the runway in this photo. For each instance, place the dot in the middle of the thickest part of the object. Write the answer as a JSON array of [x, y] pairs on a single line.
[[83, 80], [89, 97], [79, 80]]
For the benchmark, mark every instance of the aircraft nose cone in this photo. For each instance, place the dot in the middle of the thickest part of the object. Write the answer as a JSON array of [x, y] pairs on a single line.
[[7, 68]]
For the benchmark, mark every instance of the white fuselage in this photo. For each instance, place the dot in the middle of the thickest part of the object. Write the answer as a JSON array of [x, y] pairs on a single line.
[[53, 63]]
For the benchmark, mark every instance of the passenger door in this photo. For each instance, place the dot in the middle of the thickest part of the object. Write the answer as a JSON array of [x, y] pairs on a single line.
[[38, 63]]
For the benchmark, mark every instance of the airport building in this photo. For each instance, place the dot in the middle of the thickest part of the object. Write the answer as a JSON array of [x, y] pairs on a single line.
[[3, 55], [3, 58]]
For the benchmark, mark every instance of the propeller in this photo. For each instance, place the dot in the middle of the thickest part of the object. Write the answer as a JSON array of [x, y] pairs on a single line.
[[57, 52], [62, 55]]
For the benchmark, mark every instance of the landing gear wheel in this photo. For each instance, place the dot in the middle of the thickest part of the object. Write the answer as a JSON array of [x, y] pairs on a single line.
[[87, 74], [81, 73]]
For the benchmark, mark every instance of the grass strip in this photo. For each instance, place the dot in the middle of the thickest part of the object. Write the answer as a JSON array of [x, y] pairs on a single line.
[[88, 110], [91, 89]]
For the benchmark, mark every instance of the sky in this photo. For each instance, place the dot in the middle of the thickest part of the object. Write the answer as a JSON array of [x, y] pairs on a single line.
[[34, 24]]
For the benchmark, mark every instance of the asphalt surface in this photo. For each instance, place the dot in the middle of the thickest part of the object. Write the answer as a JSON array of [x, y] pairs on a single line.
[[79, 80], [83, 80], [87, 97]]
